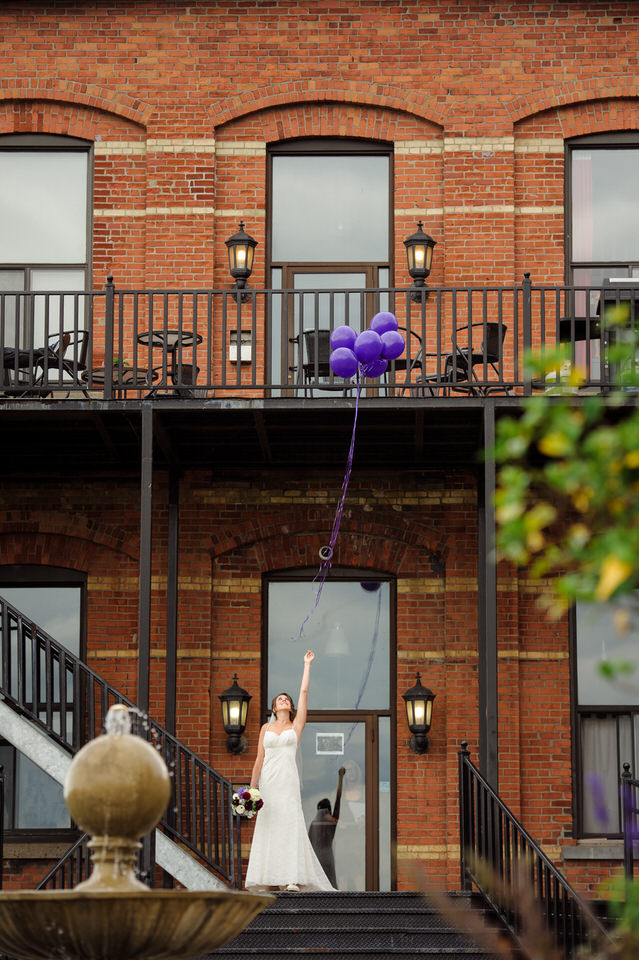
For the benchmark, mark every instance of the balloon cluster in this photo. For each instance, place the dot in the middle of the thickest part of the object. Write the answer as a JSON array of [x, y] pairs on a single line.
[[368, 351]]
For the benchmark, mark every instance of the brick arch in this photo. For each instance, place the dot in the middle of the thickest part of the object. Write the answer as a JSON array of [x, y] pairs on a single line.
[[322, 91], [92, 96], [578, 91], [380, 545], [50, 529]]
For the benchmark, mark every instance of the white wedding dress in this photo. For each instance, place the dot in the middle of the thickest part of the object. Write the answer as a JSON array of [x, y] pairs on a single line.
[[281, 852]]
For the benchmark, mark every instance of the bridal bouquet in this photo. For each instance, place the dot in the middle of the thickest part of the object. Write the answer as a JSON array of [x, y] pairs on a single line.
[[247, 801]]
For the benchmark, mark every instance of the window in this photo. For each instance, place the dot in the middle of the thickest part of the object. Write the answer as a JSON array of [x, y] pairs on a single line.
[[54, 599], [330, 230], [44, 233], [603, 221], [607, 713]]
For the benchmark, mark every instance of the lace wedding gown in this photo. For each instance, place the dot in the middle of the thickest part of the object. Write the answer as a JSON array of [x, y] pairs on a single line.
[[281, 852]]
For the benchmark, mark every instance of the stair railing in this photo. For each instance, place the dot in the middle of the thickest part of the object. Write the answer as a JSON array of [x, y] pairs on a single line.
[[72, 869], [509, 869], [629, 789], [59, 693]]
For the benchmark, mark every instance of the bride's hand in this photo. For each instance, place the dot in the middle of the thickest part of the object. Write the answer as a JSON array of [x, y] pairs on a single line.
[[309, 656]]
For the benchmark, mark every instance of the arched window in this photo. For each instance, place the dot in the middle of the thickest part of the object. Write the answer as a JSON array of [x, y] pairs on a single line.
[[330, 230], [45, 233], [55, 599]]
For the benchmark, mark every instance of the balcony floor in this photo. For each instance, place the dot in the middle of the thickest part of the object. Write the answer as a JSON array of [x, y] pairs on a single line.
[[84, 438]]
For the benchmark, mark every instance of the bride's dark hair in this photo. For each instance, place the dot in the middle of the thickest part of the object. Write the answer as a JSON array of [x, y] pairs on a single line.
[[292, 712]]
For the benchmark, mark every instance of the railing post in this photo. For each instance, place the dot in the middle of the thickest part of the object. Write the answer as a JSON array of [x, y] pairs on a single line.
[[109, 326], [464, 813], [526, 288], [628, 821]]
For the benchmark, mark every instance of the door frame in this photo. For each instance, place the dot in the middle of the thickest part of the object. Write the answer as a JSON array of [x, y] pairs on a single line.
[[369, 717]]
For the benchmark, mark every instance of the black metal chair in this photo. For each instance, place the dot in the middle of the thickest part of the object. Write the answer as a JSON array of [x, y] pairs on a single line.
[[65, 357], [14, 362], [183, 377], [314, 372]]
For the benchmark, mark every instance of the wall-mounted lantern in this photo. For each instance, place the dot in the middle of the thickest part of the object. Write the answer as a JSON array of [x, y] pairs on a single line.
[[241, 250], [419, 253], [419, 710], [235, 703]]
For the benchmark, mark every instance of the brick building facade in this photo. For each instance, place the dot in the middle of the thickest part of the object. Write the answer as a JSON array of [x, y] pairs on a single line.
[[181, 108]]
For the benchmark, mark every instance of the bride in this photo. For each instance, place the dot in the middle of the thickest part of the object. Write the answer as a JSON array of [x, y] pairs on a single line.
[[281, 854]]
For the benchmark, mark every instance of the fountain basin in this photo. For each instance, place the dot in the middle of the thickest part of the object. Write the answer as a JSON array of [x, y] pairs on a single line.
[[127, 925]]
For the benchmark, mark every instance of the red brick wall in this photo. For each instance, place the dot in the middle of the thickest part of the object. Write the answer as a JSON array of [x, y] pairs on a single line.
[[181, 101]]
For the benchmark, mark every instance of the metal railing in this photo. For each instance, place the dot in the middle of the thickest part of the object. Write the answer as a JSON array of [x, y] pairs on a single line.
[[629, 790], [197, 344], [511, 872], [62, 695], [75, 866]]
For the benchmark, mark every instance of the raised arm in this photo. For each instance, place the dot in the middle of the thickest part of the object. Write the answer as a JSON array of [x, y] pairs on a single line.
[[259, 759], [302, 701], [338, 795]]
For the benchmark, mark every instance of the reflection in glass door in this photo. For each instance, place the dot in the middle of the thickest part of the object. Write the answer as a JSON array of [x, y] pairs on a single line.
[[349, 722]]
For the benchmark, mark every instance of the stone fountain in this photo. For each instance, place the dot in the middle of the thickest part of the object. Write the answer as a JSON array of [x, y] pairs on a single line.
[[117, 789]]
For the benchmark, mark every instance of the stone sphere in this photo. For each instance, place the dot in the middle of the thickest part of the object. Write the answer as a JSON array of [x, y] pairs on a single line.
[[118, 786]]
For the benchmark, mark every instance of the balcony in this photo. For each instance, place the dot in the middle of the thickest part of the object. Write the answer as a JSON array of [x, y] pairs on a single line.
[[199, 345], [248, 382]]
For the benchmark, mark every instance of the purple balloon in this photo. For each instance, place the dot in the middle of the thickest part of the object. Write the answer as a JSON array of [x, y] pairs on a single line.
[[383, 321], [343, 362], [375, 368], [392, 344], [343, 337], [368, 346]]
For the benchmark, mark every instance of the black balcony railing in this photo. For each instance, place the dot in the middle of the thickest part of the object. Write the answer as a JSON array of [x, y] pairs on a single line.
[[197, 344], [60, 694], [514, 876]]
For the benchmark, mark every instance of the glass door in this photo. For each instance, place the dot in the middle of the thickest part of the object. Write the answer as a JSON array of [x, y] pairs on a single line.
[[345, 755]]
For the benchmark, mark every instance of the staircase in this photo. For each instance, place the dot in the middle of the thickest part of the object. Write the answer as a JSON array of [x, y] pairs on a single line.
[[345, 926], [52, 703]]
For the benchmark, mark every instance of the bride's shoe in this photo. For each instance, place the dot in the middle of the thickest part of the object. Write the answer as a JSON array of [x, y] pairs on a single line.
[[293, 888]]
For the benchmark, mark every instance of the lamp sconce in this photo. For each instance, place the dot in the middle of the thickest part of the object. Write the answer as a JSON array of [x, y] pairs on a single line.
[[419, 253], [235, 703], [241, 251], [419, 710]]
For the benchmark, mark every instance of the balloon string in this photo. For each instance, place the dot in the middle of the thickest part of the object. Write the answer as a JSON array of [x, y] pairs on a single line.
[[327, 552]]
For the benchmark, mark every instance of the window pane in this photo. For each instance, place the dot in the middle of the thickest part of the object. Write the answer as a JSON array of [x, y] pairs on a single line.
[[350, 634], [61, 310], [344, 308], [11, 308], [600, 774], [330, 209], [55, 609], [43, 199], [605, 202], [40, 799], [598, 640], [384, 747], [324, 748]]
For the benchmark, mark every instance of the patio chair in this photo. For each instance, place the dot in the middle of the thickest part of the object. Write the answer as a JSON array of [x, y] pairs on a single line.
[[315, 371], [66, 358]]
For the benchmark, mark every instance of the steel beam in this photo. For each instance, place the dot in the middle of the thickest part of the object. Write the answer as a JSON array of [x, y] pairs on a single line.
[[172, 601], [487, 609], [146, 553]]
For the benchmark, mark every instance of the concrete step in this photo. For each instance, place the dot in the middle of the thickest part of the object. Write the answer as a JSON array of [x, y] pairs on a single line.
[[353, 925]]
